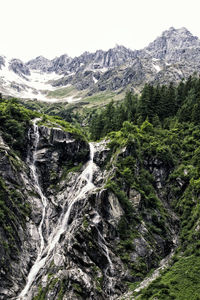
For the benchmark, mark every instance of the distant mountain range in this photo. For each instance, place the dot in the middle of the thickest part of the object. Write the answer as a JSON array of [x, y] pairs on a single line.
[[172, 56]]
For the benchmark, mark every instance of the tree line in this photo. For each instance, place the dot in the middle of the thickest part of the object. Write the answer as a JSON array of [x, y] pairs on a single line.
[[159, 104]]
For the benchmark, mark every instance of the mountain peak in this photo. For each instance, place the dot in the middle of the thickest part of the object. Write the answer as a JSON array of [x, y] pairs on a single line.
[[172, 44], [39, 63], [176, 31]]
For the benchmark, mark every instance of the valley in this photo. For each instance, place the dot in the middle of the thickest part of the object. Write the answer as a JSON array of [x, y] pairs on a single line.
[[99, 174]]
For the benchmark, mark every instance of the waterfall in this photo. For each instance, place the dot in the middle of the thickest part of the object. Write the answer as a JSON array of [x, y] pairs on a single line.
[[32, 164], [37, 185], [110, 268], [82, 186]]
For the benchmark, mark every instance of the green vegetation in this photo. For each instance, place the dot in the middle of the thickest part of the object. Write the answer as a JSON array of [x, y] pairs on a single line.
[[136, 149], [62, 92], [13, 213], [157, 130], [15, 120], [179, 282], [176, 151], [154, 142], [161, 105], [77, 113], [14, 123], [50, 121], [52, 283]]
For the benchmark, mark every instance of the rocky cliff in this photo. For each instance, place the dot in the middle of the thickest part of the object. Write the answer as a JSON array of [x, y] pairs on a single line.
[[68, 231]]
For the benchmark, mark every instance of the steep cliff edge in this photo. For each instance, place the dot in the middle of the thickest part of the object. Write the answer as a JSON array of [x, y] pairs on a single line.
[[86, 233], [95, 220], [21, 207]]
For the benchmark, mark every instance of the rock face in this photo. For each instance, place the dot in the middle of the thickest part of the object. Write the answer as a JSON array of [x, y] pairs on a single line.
[[40, 63], [54, 149], [81, 246], [67, 235], [2, 61], [17, 66], [60, 64], [174, 45], [15, 236]]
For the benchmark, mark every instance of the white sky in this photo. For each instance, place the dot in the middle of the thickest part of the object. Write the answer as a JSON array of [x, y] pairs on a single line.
[[29, 28]]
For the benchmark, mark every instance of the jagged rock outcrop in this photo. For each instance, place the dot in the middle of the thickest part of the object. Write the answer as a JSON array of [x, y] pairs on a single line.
[[60, 64], [2, 61], [174, 45], [17, 66], [172, 56], [40, 63], [55, 149], [18, 232]]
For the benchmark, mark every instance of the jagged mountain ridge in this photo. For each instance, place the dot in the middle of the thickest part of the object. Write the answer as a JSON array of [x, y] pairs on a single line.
[[98, 60], [172, 56]]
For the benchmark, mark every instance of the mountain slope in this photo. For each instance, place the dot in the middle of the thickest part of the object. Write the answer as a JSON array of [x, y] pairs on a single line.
[[79, 233], [94, 220]]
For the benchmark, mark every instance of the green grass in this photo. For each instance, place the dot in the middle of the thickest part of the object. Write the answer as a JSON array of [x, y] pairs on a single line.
[[180, 282], [63, 92], [101, 99], [50, 121]]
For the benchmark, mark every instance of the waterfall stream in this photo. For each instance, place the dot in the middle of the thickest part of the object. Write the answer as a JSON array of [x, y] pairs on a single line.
[[37, 185], [82, 186], [110, 268]]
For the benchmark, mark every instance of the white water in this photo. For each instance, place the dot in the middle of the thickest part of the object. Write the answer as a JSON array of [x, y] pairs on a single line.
[[82, 186], [110, 267], [37, 185]]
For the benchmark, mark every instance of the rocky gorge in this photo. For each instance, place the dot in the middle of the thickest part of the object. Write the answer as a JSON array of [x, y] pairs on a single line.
[[67, 230]]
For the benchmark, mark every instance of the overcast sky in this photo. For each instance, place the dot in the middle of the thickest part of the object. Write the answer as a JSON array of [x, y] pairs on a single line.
[[29, 28]]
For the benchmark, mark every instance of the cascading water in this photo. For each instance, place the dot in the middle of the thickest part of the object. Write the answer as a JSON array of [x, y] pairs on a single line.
[[37, 185], [110, 268], [82, 186], [33, 271]]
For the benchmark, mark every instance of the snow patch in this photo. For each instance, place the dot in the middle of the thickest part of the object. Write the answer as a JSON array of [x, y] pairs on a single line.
[[33, 86], [103, 69], [71, 99], [95, 80], [157, 67], [40, 80], [179, 72], [10, 76], [155, 59]]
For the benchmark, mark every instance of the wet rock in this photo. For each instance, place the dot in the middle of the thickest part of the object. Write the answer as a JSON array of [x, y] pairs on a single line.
[[135, 198], [101, 153], [55, 149], [81, 230]]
